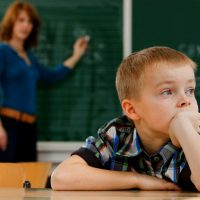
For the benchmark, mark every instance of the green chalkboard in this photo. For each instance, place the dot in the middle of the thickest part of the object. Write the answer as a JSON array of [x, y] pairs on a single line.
[[173, 23], [74, 108], [77, 106]]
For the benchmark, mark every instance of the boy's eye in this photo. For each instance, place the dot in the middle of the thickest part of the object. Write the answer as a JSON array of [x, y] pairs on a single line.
[[190, 91], [166, 92]]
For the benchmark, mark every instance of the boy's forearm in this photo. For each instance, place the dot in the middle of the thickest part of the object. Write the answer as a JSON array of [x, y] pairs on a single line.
[[189, 140], [84, 177], [76, 174], [190, 143]]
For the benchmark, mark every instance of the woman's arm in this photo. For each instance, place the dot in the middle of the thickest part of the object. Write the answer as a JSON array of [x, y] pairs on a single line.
[[58, 72]]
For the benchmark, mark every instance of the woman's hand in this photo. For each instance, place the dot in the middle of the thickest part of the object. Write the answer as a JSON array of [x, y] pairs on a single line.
[[79, 49], [80, 46], [3, 138]]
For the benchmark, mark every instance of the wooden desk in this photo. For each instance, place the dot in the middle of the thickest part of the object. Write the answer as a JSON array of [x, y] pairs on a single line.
[[48, 194]]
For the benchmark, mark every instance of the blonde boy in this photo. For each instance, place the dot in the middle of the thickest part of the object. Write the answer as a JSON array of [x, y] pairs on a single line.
[[155, 145]]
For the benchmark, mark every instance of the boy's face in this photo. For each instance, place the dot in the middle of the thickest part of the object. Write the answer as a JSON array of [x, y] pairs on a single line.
[[164, 93]]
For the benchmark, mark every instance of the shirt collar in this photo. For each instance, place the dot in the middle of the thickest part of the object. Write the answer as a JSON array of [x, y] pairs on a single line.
[[135, 145], [166, 151]]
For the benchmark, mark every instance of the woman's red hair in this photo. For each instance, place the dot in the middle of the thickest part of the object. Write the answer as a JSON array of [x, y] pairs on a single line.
[[10, 17]]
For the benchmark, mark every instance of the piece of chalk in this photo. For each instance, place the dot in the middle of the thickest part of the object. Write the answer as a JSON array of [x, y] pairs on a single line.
[[87, 37]]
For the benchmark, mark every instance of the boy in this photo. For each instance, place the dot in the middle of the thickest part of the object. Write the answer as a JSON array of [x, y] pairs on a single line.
[[155, 145]]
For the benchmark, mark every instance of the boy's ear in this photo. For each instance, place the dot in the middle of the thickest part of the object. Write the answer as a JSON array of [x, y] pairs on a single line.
[[129, 110]]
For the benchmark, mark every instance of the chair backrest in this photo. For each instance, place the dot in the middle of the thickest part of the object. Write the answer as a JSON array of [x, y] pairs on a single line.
[[11, 175], [36, 173]]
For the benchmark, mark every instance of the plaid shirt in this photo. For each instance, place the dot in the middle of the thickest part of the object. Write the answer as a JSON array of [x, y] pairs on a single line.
[[118, 147]]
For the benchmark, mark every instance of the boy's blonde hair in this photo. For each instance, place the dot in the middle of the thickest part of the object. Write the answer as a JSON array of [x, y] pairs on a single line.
[[130, 74]]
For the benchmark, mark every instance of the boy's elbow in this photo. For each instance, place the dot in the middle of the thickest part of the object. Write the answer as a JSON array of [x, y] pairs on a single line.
[[64, 176], [56, 181], [196, 182], [60, 180], [197, 185]]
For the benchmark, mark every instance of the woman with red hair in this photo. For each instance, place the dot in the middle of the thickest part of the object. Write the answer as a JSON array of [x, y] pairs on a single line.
[[19, 73]]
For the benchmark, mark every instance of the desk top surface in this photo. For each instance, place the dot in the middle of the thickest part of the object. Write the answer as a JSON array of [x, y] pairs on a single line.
[[48, 194]]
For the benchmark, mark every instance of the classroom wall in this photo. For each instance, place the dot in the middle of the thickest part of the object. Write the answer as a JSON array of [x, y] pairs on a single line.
[[75, 108]]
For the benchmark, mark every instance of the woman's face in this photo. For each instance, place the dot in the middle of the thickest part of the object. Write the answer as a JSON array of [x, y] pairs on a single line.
[[22, 26]]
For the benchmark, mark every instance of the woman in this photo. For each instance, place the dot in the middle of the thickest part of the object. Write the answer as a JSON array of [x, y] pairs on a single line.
[[19, 74]]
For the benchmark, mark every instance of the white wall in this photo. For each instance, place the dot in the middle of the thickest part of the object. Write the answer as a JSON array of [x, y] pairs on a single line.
[[56, 152]]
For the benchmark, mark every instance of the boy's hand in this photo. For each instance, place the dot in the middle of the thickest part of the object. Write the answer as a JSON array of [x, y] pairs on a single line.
[[183, 121], [146, 182]]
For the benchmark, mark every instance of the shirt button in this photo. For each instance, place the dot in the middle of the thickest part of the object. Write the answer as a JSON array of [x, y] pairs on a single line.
[[156, 158]]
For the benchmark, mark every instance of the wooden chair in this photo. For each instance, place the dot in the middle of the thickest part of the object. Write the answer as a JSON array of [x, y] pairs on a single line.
[[11, 175], [36, 173]]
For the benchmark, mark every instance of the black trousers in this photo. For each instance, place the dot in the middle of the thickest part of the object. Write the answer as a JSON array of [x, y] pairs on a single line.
[[22, 140]]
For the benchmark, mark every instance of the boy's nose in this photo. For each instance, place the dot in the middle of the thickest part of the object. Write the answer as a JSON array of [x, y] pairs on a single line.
[[183, 102]]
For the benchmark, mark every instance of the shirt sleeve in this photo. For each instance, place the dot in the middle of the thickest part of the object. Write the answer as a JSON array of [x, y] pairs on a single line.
[[89, 157], [98, 152]]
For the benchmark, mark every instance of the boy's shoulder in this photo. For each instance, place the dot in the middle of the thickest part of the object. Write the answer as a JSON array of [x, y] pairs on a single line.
[[120, 125]]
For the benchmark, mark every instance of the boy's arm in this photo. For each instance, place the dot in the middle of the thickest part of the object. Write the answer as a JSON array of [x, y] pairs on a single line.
[[184, 130], [75, 174]]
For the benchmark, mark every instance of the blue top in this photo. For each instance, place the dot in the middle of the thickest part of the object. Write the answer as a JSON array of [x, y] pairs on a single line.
[[19, 79]]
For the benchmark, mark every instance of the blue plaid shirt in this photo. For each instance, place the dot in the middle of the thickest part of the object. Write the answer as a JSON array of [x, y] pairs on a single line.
[[118, 147]]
